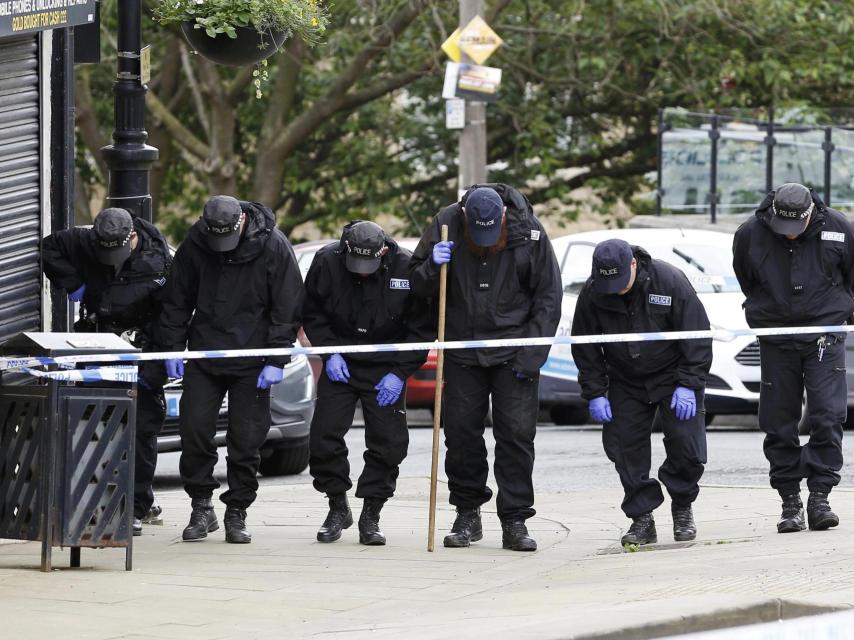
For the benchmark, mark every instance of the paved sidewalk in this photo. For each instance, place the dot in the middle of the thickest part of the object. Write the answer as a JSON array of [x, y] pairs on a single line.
[[286, 585]]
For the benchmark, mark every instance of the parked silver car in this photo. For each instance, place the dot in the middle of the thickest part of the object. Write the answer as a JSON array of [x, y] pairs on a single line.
[[291, 407], [706, 259]]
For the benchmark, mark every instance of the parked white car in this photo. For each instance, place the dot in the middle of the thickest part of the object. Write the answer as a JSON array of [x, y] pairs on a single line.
[[706, 259]]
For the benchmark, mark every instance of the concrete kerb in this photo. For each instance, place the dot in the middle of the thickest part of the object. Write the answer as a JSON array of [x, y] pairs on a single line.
[[772, 610]]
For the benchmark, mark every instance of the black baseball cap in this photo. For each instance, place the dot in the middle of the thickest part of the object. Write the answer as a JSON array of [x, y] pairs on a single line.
[[483, 208], [111, 229], [222, 214], [612, 266], [791, 209], [364, 242]]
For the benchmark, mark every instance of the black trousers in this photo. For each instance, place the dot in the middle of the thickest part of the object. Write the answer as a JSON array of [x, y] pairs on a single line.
[[626, 440], [150, 414], [785, 375], [515, 405], [248, 424], [386, 434]]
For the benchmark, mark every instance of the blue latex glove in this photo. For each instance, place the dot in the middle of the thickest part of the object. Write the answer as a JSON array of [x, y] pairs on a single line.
[[77, 296], [175, 368], [442, 252], [269, 376], [600, 409], [142, 383], [388, 389], [521, 376], [684, 402], [336, 369]]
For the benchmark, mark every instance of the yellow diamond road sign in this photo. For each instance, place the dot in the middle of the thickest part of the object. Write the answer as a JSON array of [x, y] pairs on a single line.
[[477, 40], [451, 46]]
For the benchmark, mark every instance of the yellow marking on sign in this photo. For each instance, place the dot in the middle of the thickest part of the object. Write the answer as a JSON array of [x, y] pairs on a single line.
[[451, 46], [478, 41]]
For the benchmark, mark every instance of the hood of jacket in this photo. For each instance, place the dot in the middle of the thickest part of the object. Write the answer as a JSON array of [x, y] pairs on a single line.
[[260, 223]]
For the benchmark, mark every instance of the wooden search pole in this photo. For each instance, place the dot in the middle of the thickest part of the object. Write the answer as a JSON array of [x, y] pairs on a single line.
[[437, 403]]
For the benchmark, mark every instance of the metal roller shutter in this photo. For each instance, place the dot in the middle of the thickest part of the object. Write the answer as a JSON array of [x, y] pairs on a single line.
[[20, 203]]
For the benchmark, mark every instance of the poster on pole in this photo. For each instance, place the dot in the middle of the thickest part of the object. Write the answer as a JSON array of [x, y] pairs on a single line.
[[455, 114], [478, 83], [29, 16], [471, 82]]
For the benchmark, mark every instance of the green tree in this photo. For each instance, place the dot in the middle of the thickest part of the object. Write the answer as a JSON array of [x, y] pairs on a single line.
[[355, 126]]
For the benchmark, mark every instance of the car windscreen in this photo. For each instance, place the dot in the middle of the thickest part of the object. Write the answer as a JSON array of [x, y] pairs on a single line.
[[709, 268]]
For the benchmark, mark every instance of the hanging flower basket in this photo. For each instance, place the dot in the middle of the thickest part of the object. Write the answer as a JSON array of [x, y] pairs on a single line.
[[243, 32], [249, 47]]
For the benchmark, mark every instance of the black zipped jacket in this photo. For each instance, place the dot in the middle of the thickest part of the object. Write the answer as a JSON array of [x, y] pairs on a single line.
[[127, 300], [248, 298], [661, 299], [801, 282], [343, 308], [515, 293]]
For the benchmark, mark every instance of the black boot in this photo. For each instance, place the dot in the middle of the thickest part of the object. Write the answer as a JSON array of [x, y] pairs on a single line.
[[642, 531], [684, 528], [369, 522], [467, 528], [819, 515], [339, 517], [792, 518], [202, 520], [137, 527], [235, 526], [514, 536]]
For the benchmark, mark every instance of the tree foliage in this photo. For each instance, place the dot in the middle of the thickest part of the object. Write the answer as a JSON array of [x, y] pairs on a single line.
[[354, 127]]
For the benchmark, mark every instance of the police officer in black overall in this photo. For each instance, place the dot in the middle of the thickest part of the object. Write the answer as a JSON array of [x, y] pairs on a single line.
[[117, 271], [795, 263], [357, 292], [503, 282], [235, 285], [628, 384]]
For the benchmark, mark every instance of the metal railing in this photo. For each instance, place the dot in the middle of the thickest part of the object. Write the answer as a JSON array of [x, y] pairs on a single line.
[[713, 163]]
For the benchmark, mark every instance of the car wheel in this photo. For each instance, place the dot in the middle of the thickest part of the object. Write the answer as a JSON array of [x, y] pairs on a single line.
[[284, 461], [568, 414]]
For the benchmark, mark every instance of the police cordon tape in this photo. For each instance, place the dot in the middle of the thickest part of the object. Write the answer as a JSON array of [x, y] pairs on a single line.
[[716, 334], [126, 373]]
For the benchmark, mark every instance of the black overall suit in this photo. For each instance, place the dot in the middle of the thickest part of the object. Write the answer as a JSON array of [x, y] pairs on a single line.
[[802, 282], [119, 302], [639, 379], [514, 293], [344, 308], [248, 298]]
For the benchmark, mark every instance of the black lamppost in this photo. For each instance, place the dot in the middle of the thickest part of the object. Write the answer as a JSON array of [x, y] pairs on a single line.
[[129, 158]]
